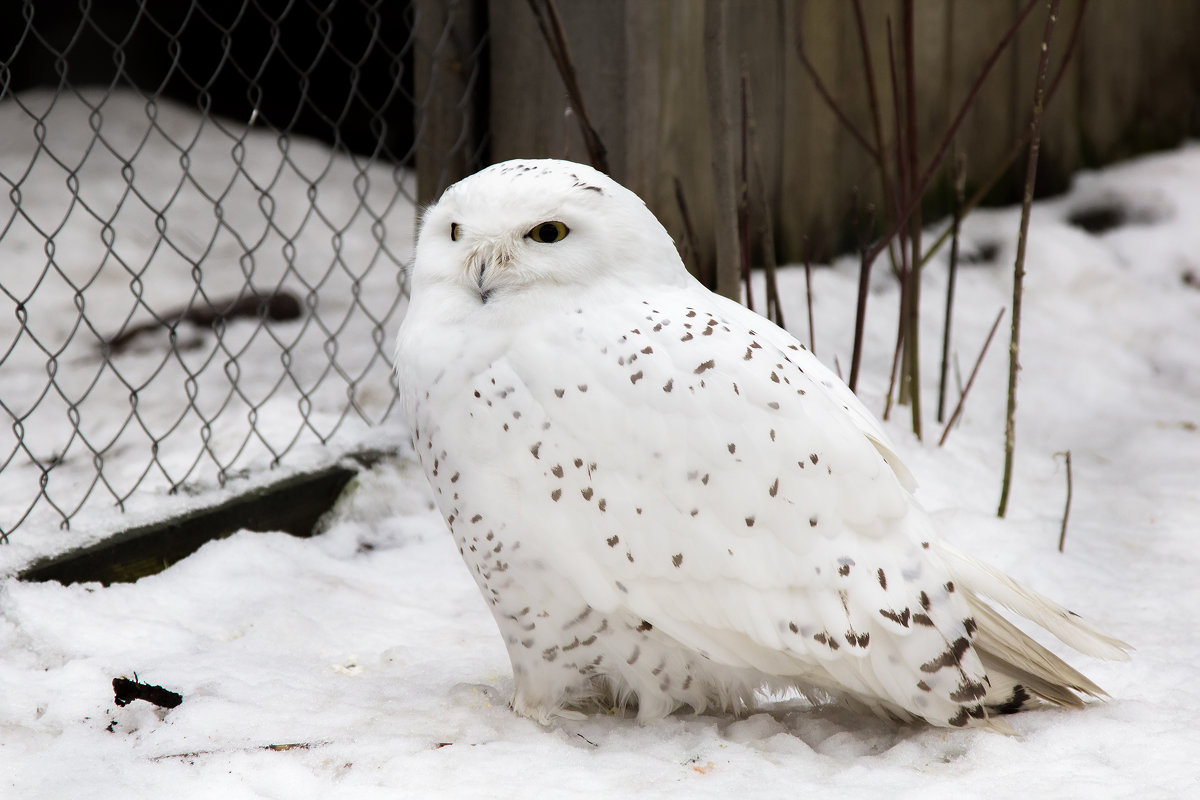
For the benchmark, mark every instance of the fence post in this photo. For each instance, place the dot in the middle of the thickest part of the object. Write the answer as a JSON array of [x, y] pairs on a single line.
[[451, 89]]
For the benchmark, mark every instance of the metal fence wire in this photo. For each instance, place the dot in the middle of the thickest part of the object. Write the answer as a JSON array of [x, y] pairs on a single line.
[[206, 211]]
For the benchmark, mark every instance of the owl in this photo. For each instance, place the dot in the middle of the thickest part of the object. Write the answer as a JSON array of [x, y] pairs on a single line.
[[668, 502]]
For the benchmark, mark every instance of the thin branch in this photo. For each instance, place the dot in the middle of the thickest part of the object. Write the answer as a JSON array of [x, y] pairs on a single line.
[[1020, 145], [867, 259], [1014, 364], [960, 180], [808, 297], [962, 398], [689, 234], [912, 321], [550, 24], [1062, 533], [948, 137], [830, 101], [743, 208], [864, 47], [766, 226], [904, 181]]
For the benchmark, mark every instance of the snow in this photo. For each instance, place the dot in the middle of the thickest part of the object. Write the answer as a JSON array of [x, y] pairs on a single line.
[[362, 663], [170, 208]]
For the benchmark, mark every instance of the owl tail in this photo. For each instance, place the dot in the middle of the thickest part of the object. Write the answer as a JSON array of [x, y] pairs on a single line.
[[1019, 668]]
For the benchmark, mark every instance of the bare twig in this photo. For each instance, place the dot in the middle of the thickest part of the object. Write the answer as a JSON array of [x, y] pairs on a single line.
[[912, 320], [960, 179], [550, 24], [904, 273], [830, 101], [689, 234], [1014, 364], [952, 130], [866, 260], [743, 209], [1021, 144], [962, 398], [808, 297], [766, 225], [1062, 533]]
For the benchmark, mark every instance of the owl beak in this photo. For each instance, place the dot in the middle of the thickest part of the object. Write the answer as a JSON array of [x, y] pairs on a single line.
[[487, 267], [483, 273]]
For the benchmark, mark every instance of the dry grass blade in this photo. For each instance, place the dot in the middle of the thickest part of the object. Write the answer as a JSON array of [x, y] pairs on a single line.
[[1062, 532]]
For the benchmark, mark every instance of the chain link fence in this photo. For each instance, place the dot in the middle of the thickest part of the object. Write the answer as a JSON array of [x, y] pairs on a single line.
[[206, 211]]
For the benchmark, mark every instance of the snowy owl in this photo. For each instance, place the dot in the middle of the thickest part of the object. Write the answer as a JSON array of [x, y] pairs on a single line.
[[665, 499]]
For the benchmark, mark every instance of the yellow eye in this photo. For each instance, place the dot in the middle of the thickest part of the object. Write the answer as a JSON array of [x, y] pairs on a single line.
[[549, 232], [455, 231]]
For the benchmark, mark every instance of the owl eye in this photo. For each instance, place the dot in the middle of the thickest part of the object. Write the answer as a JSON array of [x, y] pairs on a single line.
[[455, 231], [549, 232]]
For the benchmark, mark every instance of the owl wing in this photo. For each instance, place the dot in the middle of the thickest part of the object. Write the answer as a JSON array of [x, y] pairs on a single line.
[[694, 467]]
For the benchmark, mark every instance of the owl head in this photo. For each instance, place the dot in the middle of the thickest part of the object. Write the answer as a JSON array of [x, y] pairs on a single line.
[[539, 227]]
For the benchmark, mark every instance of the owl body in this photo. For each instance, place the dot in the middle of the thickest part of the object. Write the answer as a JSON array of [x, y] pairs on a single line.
[[666, 500]]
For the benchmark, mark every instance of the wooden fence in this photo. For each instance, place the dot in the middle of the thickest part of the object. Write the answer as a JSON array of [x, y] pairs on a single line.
[[1133, 84]]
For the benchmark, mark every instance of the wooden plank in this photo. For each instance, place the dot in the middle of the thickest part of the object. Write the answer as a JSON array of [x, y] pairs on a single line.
[[292, 505], [450, 93]]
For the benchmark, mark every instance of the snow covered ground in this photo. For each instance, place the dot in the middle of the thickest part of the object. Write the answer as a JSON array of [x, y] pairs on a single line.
[[362, 663]]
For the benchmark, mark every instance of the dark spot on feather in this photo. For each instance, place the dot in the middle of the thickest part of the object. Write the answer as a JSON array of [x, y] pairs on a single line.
[[559, 392], [557, 493], [635, 377], [1014, 703], [677, 559], [968, 690], [587, 493], [882, 579], [645, 626], [613, 540], [707, 365], [899, 619], [950, 658]]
